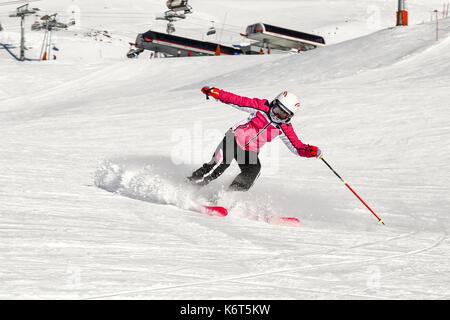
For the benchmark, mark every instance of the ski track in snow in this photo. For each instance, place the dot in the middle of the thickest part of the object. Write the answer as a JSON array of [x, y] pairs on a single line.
[[92, 205], [282, 271]]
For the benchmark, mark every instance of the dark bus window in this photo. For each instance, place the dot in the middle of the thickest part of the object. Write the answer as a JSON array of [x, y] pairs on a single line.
[[209, 46], [294, 34]]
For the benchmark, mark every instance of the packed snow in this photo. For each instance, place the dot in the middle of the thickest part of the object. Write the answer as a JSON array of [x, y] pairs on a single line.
[[95, 148]]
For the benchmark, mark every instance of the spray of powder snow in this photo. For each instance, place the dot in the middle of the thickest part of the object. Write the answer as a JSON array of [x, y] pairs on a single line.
[[158, 180], [152, 180]]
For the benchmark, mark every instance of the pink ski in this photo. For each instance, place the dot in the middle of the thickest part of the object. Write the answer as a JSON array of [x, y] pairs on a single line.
[[222, 212], [279, 221], [285, 221], [210, 211], [215, 211]]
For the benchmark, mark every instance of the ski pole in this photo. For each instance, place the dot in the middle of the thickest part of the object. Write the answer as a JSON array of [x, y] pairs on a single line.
[[379, 219]]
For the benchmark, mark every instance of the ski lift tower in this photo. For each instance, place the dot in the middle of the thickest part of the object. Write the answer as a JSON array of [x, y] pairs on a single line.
[[22, 12], [402, 13]]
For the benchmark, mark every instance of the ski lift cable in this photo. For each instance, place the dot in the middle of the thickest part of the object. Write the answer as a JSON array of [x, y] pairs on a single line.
[[222, 30], [216, 21], [106, 14], [96, 13], [8, 3], [125, 14], [199, 24], [121, 13], [92, 14]]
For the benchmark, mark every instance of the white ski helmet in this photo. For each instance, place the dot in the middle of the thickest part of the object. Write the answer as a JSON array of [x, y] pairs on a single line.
[[288, 102]]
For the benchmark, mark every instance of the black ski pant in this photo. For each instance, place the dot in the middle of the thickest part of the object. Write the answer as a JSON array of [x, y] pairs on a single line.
[[227, 151]]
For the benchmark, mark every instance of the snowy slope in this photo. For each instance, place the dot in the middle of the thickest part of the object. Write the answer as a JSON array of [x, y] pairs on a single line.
[[94, 150]]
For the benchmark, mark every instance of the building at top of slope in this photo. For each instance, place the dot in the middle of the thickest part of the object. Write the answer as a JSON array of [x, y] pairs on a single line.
[[273, 37], [266, 36], [176, 46]]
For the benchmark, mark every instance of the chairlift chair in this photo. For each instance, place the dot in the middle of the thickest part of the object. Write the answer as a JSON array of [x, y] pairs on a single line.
[[179, 5], [170, 28], [36, 26], [211, 30]]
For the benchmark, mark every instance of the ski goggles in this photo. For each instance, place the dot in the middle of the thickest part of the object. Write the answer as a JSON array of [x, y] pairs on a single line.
[[280, 111]]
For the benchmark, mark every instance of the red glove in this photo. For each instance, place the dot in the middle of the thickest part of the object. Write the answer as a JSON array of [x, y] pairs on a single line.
[[213, 92], [314, 151]]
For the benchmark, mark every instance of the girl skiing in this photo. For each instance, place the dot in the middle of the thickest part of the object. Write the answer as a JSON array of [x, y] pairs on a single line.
[[267, 121]]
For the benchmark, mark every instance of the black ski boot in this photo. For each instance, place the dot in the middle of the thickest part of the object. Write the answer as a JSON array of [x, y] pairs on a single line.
[[197, 175]]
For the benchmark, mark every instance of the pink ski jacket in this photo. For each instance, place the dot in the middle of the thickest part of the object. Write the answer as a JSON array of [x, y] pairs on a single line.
[[252, 133]]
